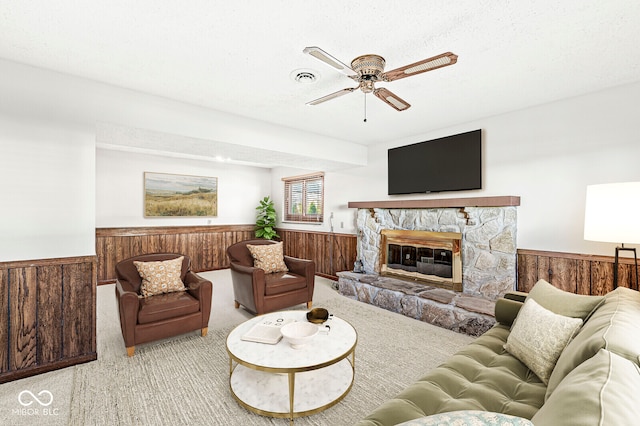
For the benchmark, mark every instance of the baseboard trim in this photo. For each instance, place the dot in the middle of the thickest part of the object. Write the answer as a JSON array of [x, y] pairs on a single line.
[[32, 371]]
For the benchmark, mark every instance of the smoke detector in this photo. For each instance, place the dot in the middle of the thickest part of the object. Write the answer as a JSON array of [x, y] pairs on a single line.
[[304, 76]]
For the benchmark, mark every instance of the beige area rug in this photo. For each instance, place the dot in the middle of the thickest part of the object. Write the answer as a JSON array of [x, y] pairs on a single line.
[[184, 380]]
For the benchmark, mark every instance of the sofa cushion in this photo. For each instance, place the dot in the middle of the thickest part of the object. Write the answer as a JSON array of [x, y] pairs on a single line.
[[468, 418], [160, 277], [610, 327], [165, 306], [482, 376], [601, 391], [538, 336], [564, 303], [269, 257]]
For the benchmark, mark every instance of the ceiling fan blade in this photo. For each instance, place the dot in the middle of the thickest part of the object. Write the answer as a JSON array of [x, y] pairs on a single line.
[[419, 67], [334, 63], [391, 99], [331, 96]]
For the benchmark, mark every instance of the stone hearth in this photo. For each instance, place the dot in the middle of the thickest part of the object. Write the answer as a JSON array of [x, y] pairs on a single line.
[[449, 309]]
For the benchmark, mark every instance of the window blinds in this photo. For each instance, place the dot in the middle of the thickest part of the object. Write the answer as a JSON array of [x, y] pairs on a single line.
[[304, 198]]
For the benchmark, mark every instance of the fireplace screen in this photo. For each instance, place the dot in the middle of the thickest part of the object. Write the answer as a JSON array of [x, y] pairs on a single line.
[[429, 261], [431, 257]]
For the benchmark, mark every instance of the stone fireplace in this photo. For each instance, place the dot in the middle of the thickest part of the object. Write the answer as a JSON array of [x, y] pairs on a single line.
[[479, 252], [423, 256]]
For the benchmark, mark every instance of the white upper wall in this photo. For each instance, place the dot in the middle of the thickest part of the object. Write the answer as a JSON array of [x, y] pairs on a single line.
[[120, 189], [47, 177]]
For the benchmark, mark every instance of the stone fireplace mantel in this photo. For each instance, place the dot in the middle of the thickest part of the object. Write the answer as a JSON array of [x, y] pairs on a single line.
[[497, 201]]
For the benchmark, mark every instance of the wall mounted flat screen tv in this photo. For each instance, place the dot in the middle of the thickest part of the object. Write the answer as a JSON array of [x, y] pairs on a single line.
[[452, 163]]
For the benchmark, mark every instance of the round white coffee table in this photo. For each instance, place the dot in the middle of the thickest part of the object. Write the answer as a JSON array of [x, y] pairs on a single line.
[[279, 381]]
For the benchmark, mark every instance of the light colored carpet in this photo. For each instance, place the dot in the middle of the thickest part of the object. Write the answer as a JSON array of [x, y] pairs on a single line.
[[184, 380]]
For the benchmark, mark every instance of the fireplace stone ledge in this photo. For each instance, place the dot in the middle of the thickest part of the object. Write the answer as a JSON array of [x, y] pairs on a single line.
[[463, 313]]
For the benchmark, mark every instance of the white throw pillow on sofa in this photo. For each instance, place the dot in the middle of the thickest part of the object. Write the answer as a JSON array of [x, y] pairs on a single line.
[[538, 337]]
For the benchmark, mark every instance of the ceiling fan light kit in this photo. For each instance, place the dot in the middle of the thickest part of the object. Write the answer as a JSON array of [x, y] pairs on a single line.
[[369, 69]]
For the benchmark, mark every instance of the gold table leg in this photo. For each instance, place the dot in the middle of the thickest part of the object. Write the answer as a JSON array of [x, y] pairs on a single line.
[[292, 385]]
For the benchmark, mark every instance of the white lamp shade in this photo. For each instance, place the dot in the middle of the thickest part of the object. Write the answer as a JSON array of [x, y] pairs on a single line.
[[612, 213]]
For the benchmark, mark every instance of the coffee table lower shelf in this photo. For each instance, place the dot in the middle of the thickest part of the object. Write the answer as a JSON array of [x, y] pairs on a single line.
[[268, 393]]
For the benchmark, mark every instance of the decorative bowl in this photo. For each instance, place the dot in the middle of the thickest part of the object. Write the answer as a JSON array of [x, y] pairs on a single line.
[[317, 315], [299, 333]]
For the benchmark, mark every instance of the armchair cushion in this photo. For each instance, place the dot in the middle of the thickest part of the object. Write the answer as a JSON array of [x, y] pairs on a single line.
[[165, 306], [269, 257], [160, 277], [283, 282]]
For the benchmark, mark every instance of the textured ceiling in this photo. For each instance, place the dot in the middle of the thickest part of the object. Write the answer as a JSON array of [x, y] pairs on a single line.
[[237, 56]]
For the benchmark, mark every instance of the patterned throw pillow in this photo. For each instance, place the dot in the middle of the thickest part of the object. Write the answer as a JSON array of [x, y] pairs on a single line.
[[268, 257], [538, 337], [468, 418], [160, 277]]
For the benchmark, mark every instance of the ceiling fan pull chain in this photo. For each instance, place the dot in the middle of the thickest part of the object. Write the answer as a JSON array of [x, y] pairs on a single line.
[[365, 107]]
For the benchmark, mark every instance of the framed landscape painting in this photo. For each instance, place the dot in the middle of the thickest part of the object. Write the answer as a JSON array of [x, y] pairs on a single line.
[[180, 195]]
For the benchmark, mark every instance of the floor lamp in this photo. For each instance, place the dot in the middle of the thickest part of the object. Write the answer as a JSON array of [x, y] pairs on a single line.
[[611, 215]]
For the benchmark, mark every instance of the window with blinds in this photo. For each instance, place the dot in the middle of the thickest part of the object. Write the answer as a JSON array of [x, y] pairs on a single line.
[[304, 198]]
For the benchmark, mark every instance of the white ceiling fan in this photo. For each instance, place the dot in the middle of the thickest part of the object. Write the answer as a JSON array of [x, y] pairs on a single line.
[[369, 69]]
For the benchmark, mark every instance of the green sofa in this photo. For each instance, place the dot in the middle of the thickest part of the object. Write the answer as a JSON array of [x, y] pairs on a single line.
[[595, 379]]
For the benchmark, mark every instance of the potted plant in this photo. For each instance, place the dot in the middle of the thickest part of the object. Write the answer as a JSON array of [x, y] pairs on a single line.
[[266, 220]]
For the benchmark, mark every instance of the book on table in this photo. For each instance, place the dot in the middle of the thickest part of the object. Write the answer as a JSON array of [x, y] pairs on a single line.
[[267, 330]]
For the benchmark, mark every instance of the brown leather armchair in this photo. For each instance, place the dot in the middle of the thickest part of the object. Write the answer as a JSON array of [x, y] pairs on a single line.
[[260, 293], [156, 317]]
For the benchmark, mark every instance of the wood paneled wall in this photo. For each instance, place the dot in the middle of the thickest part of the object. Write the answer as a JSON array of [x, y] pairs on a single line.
[[205, 245], [576, 273], [331, 252], [47, 315]]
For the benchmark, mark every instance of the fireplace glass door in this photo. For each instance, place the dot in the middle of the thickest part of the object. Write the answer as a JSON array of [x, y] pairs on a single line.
[[432, 257]]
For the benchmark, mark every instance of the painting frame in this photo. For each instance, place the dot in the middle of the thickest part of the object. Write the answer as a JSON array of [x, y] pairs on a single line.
[[177, 195]]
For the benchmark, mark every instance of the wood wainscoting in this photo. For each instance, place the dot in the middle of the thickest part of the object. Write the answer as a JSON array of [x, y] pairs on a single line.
[[205, 245], [332, 252], [47, 315], [576, 273]]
